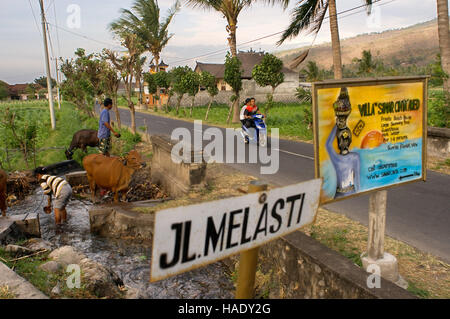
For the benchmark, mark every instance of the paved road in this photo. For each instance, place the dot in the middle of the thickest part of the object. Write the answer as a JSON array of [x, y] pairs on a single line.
[[417, 213]]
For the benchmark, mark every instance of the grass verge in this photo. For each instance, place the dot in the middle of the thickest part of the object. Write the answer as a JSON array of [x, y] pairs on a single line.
[[427, 276], [29, 269]]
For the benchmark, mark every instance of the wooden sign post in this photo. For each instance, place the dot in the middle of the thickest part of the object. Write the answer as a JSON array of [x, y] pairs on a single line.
[[249, 259], [189, 237]]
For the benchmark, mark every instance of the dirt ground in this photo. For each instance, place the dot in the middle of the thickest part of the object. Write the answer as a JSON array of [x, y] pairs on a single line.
[[438, 164], [428, 277]]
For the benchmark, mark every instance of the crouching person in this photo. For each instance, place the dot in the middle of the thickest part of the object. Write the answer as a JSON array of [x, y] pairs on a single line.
[[58, 187]]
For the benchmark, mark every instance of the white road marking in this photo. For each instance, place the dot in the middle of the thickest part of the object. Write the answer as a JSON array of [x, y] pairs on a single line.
[[295, 154]]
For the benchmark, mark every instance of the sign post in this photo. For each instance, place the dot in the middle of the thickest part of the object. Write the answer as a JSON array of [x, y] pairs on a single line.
[[249, 259], [189, 237], [370, 134], [377, 224]]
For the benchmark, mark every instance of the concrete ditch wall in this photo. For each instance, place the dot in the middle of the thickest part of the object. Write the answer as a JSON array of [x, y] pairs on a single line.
[[299, 267], [175, 178], [112, 221], [438, 142]]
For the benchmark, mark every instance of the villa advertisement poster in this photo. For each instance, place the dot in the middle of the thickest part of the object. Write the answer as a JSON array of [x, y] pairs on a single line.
[[369, 134]]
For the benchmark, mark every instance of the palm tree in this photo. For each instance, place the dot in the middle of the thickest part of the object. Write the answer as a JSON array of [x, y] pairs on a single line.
[[230, 9], [444, 39], [309, 15], [312, 72], [366, 65], [144, 20]]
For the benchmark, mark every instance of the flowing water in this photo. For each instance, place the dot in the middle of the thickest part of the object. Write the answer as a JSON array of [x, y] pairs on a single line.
[[129, 260]]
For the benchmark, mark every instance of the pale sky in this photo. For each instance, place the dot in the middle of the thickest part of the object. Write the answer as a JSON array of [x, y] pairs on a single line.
[[196, 32]]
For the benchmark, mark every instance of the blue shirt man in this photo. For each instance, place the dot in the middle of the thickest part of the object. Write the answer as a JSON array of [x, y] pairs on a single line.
[[105, 129]]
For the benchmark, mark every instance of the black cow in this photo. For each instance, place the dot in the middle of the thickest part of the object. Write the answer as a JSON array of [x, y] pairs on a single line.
[[82, 139]]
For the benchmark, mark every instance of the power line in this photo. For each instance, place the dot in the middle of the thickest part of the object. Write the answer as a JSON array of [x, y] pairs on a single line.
[[57, 33], [81, 35], [273, 34], [49, 6], [34, 16]]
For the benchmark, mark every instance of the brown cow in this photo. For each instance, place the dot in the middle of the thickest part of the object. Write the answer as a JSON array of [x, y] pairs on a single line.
[[111, 172], [3, 178]]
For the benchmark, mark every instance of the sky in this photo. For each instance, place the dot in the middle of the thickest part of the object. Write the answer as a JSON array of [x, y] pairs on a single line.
[[197, 33]]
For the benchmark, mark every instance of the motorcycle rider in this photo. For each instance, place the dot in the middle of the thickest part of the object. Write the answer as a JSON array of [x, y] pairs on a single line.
[[247, 112]]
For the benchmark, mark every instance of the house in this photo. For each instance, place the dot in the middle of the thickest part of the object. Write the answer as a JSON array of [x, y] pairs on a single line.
[[248, 59], [150, 100], [23, 92]]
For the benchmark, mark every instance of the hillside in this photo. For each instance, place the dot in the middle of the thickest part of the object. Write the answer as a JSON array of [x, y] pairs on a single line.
[[417, 44]]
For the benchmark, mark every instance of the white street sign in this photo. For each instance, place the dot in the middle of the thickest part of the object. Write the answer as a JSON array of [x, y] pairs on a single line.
[[188, 237]]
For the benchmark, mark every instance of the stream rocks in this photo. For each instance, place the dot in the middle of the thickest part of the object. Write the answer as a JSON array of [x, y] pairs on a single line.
[[51, 266], [18, 250], [37, 244], [101, 281]]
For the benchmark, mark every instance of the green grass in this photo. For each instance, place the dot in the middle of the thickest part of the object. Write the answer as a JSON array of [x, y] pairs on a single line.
[[289, 118], [68, 121], [419, 292], [28, 268]]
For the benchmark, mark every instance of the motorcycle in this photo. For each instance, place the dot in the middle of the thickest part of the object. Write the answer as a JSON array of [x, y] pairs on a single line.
[[260, 131]]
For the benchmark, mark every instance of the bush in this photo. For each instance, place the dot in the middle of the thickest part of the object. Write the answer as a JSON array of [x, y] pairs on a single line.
[[438, 109]]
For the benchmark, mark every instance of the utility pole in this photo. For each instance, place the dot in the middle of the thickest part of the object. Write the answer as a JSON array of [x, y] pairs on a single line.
[[47, 67], [57, 84]]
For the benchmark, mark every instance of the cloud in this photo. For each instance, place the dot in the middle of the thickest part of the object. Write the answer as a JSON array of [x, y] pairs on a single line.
[[196, 32]]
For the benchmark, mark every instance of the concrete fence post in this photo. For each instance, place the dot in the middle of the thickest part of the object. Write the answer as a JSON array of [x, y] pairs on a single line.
[[375, 255]]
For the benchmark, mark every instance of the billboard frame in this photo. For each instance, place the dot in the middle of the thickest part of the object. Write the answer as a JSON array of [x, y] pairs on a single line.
[[352, 82]]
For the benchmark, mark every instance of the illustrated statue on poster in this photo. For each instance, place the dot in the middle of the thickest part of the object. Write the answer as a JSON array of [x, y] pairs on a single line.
[[346, 163]]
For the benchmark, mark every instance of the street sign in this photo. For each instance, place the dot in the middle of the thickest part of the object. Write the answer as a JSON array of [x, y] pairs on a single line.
[[369, 134], [189, 237]]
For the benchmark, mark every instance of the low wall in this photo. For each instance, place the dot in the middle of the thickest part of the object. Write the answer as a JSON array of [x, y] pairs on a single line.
[[112, 221], [299, 267], [284, 93], [438, 142], [175, 178]]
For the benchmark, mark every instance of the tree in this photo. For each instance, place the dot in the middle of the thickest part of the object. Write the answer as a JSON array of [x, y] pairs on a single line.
[[312, 72], [144, 20], [232, 76], [126, 65], [83, 80], [230, 9], [21, 129], [444, 41], [42, 81], [208, 81], [138, 68], [268, 73], [191, 82], [110, 82], [309, 15], [152, 87], [366, 65], [162, 80], [176, 75], [438, 76], [4, 91]]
